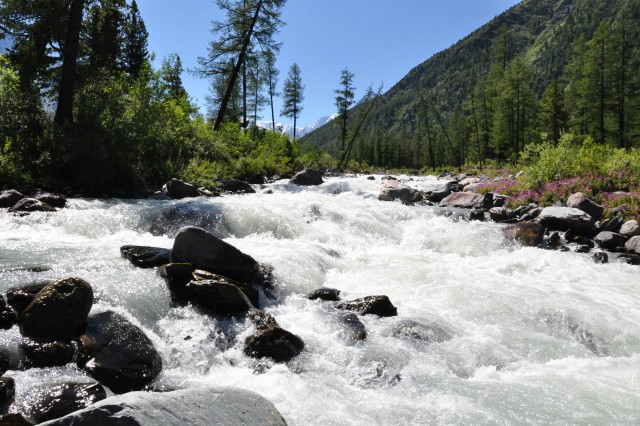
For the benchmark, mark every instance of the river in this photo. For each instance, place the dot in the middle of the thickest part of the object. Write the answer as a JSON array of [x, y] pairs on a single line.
[[487, 332]]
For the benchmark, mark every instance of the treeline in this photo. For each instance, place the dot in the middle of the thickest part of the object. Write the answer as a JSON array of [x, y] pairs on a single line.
[[82, 107], [541, 69]]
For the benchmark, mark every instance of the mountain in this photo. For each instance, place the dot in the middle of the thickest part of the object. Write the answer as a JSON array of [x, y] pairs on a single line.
[[543, 34], [300, 131]]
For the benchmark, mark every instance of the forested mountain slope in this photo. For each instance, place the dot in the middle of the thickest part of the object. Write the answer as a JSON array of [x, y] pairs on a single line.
[[482, 97]]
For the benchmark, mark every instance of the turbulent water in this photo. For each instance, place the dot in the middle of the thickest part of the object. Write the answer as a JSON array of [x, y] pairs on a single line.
[[487, 332]]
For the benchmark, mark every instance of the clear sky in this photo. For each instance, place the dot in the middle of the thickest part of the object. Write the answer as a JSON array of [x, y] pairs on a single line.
[[379, 40]]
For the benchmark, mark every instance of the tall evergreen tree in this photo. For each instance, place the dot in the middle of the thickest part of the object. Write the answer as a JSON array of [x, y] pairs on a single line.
[[272, 81], [135, 42], [551, 111], [292, 96], [344, 99]]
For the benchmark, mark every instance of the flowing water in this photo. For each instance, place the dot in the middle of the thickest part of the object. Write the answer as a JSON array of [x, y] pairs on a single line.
[[487, 332]]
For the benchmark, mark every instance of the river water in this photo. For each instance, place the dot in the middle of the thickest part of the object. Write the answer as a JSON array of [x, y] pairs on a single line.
[[487, 332]]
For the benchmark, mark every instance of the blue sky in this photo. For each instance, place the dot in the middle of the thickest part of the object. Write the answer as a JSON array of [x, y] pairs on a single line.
[[379, 40]]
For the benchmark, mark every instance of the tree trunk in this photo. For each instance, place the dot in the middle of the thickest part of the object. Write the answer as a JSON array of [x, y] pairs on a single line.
[[236, 69], [64, 110]]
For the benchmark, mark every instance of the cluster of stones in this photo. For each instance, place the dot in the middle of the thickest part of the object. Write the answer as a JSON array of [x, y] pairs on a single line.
[[29, 199], [576, 221]]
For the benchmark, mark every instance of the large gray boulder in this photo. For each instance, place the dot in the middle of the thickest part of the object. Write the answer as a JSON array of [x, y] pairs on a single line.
[[117, 353], [586, 204], [10, 197], [197, 407], [52, 402], [630, 228], [59, 311], [178, 189], [208, 252], [610, 240], [308, 177], [30, 205], [463, 200], [633, 245], [567, 219], [393, 190]]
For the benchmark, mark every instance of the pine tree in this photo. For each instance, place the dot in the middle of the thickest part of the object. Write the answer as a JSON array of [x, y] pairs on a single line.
[[293, 95], [135, 42], [551, 110], [344, 100], [272, 80]]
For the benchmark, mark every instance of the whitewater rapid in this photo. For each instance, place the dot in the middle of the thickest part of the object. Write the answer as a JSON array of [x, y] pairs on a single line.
[[487, 332]]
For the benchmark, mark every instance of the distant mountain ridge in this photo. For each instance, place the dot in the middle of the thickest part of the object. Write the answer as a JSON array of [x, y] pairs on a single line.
[[300, 131]]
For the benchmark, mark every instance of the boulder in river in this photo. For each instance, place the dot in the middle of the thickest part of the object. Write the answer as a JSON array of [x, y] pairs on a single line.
[[612, 225], [205, 251], [14, 419], [8, 317], [207, 216], [59, 311], [376, 305], [633, 245], [10, 197], [600, 257], [46, 354], [198, 406], [273, 342], [30, 205], [567, 219], [178, 189], [235, 186], [630, 228], [326, 294], [610, 240], [146, 257], [354, 328], [222, 295], [54, 200], [21, 297], [529, 234], [7, 390], [586, 204], [501, 214], [117, 353], [393, 190], [308, 177], [52, 402], [463, 200]]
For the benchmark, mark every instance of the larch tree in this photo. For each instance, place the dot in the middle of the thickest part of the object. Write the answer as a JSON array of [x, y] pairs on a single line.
[[344, 99], [293, 96]]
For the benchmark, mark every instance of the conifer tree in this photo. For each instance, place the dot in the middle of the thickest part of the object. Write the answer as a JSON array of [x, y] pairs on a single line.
[[135, 42], [293, 95], [553, 117], [344, 100]]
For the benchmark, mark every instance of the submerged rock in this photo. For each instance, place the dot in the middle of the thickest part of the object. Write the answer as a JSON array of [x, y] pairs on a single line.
[[427, 332], [308, 177], [326, 294], [205, 251], [600, 257], [56, 401], [236, 186], [376, 305], [207, 216], [200, 406], [59, 311], [529, 234], [393, 190], [354, 330], [273, 342], [178, 189], [146, 257], [117, 353], [567, 219]]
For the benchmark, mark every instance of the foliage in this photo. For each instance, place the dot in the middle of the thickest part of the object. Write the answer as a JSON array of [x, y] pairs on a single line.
[[293, 96]]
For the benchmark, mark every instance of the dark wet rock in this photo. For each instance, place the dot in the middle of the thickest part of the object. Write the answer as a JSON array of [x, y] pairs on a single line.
[[146, 257], [376, 305], [612, 225], [177, 276], [262, 320], [437, 196], [633, 245], [521, 210], [531, 215], [371, 178], [26, 268], [561, 322], [354, 328], [375, 375], [46, 354], [30, 205], [630, 229], [454, 186], [630, 258], [266, 278], [235, 186], [257, 179], [477, 215], [195, 406], [59, 311], [327, 294], [54, 200], [586, 204], [529, 234], [178, 189], [5, 360], [393, 190], [463, 200], [222, 295], [9, 198], [501, 214], [56, 401], [567, 218], [159, 196], [308, 177], [205, 251], [21, 297], [273, 342], [427, 332], [499, 200], [583, 248], [14, 419], [8, 317], [206, 216], [600, 257], [609, 240], [7, 390], [117, 353], [486, 202]]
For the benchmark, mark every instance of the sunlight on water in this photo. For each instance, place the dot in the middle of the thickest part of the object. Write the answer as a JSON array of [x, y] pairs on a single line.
[[487, 332]]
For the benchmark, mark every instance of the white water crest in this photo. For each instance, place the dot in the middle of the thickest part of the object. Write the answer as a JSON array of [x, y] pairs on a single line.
[[487, 332]]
